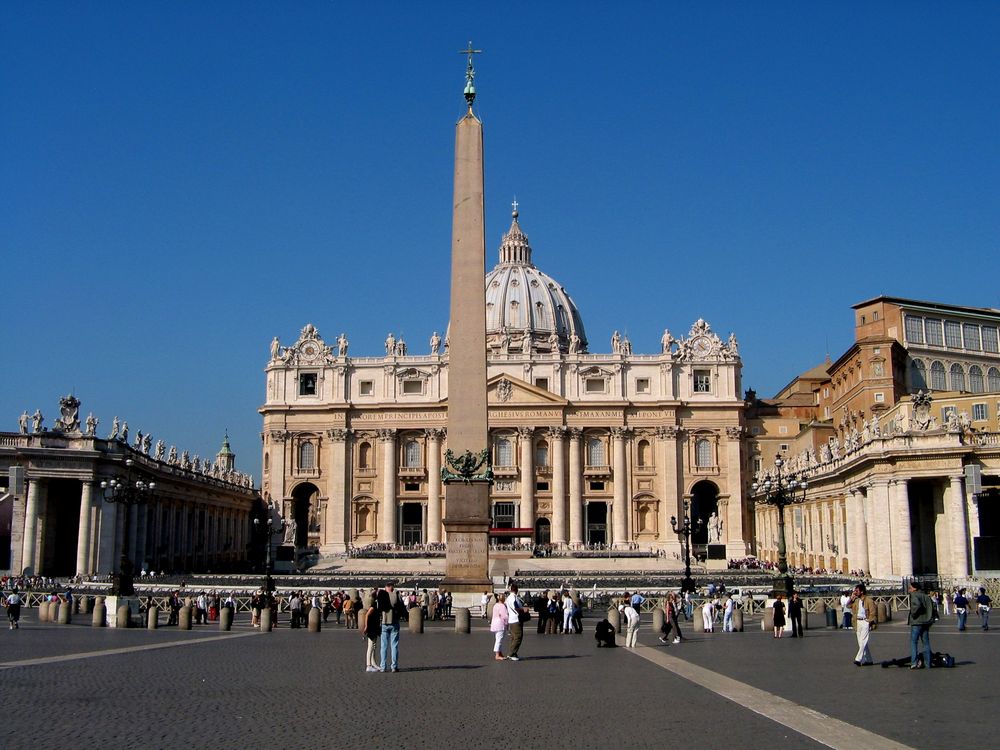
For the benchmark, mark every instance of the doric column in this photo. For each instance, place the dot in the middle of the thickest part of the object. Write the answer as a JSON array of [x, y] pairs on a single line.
[[387, 529], [620, 477], [30, 546], [954, 511], [527, 514], [878, 495], [84, 533], [556, 440], [575, 488], [902, 545], [434, 437], [336, 525]]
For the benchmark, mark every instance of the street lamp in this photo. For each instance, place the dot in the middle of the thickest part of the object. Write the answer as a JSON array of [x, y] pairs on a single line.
[[780, 490], [270, 531], [684, 529], [130, 491]]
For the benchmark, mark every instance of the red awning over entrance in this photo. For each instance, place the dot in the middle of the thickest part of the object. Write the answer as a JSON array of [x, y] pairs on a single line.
[[512, 533]]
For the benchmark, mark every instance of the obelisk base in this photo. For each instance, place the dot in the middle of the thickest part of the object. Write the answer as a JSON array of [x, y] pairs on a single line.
[[467, 563]]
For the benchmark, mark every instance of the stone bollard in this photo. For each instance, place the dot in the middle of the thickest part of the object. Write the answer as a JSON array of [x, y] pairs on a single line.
[[184, 618], [881, 612], [43, 611], [99, 619], [54, 611], [615, 618], [416, 620], [463, 620], [265, 620], [65, 613], [226, 618], [86, 604], [767, 624], [738, 621], [805, 620], [698, 625], [124, 617], [314, 620], [658, 620], [152, 618], [821, 607]]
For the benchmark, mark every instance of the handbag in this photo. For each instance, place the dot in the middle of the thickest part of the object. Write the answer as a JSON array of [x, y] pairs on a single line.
[[523, 616]]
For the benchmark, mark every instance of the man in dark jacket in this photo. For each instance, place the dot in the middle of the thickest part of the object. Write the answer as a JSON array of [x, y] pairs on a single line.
[[920, 620]]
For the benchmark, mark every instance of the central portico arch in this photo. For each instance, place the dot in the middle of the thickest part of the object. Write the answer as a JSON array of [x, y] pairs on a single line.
[[305, 511]]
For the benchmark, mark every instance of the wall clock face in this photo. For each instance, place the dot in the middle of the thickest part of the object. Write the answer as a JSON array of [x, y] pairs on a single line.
[[701, 346]]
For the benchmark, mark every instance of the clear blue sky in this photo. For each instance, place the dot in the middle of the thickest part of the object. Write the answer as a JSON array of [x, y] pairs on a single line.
[[182, 181]]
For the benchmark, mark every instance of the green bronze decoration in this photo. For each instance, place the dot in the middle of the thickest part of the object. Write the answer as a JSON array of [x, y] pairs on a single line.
[[464, 468]]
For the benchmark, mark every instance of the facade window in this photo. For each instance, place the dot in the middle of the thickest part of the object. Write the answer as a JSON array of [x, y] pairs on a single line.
[[970, 334], [594, 385], [935, 332], [703, 453], [643, 454], [411, 486], [642, 385], [826, 412], [542, 454], [597, 486], [503, 515], [702, 381], [783, 447], [952, 334], [755, 430], [542, 383], [365, 456], [918, 375], [957, 377], [783, 430], [757, 464], [307, 456], [411, 454], [976, 384], [938, 377], [990, 343], [542, 486], [993, 380], [595, 452], [879, 398], [413, 387], [307, 384], [979, 412], [267, 462], [914, 329], [505, 452], [367, 388], [946, 412]]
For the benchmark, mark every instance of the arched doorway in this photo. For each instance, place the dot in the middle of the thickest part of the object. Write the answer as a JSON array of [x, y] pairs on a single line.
[[597, 523], [305, 513], [704, 502], [543, 531]]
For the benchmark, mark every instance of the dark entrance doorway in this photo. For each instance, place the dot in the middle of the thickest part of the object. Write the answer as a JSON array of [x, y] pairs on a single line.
[[926, 512], [304, 497], [704, 502], [543, 531], [597, 523], [412, 523], [60, 523]]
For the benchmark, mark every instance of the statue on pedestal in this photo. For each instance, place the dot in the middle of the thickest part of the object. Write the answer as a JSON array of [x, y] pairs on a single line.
[[22, 423], [36, 421], [342, 345], [92, 424], [435, 343], [714, 529], [275, 348], [124, 433], [290, 532], [114, 429]]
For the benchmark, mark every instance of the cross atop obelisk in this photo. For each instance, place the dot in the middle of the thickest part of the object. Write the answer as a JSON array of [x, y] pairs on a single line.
[[467, 472]]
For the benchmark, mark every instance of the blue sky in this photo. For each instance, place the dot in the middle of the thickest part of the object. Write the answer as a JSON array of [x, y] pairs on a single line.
[[182, 181]]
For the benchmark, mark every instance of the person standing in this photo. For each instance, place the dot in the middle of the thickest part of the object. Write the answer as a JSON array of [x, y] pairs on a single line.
[[862, 609], [567, 612], [795, 615], [498, 625], [674, 605], [779, 616], [727, 615], [708, 616], [13, 604], [390, 606], [920, 619], [515, 611], [984, 602], [961, 608], [370, 632], [845, 608], [631, 625]]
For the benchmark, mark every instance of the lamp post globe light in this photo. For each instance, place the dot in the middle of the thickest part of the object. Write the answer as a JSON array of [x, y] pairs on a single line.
[[779, 490], [270, 529], [685, 529], [130, 490]]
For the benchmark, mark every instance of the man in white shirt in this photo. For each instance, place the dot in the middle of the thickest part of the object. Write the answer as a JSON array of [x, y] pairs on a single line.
[[708, 616], [631, 625], [515, 608], [845, 607]]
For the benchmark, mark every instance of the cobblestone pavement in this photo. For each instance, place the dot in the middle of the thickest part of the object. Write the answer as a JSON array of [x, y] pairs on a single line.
[[243, 689]]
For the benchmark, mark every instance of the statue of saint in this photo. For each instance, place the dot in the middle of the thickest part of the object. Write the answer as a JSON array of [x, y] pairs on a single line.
[[22, 423], [390, 345], [714, 528], [290, 529], [616, 343], [147, 441], [160, 447], [36, 421], [172, 456], [275, 348], [435, 343], [92, 424], [574, 344], [342, 345], [124, 433], [667, 341], [114, 429]]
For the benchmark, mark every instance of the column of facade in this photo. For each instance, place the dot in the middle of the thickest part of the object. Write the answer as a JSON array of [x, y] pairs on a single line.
[[29, 549], [142, 520], [556, 449], [620, 474], [434, 437], [881, 560], [336, 525], [526, 516], [575, 487], [106, 561], [387, 527], [668, 481], [732, 531], [902, 545], [954, 511], [84, 533]]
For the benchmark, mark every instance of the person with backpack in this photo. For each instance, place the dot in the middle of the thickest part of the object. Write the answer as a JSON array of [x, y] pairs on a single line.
[[921, 617], [961, 608], [984, 602]]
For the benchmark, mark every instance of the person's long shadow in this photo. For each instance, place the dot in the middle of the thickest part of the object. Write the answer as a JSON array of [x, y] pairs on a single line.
[[444, 666], [553, 656]]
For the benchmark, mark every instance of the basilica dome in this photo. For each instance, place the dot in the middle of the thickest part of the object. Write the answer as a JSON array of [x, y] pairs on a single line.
[[527, 310]]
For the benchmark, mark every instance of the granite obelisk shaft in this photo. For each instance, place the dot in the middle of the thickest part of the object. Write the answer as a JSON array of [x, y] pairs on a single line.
[[467, 517]]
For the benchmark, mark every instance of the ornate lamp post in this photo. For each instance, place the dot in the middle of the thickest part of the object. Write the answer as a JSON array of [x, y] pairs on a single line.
[[270, 529], [685, 529], [131, 490], [780, 490]]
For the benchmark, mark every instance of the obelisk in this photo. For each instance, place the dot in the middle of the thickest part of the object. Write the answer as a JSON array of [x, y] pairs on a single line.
[[467, 472]]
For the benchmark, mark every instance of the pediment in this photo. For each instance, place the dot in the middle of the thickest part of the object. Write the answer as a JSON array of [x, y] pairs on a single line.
[[506, 390]]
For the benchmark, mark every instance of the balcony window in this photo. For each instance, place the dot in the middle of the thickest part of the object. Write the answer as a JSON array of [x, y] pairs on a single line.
[[934, 331], [505, 452], [957, 376], [703, 453], [976, 384], [914, 329], [411, 454], [595, 452], [307, 456], [938, 382]]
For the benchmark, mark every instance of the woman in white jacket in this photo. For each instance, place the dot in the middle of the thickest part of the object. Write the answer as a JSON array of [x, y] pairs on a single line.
[[631, 626], [498, 625]]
